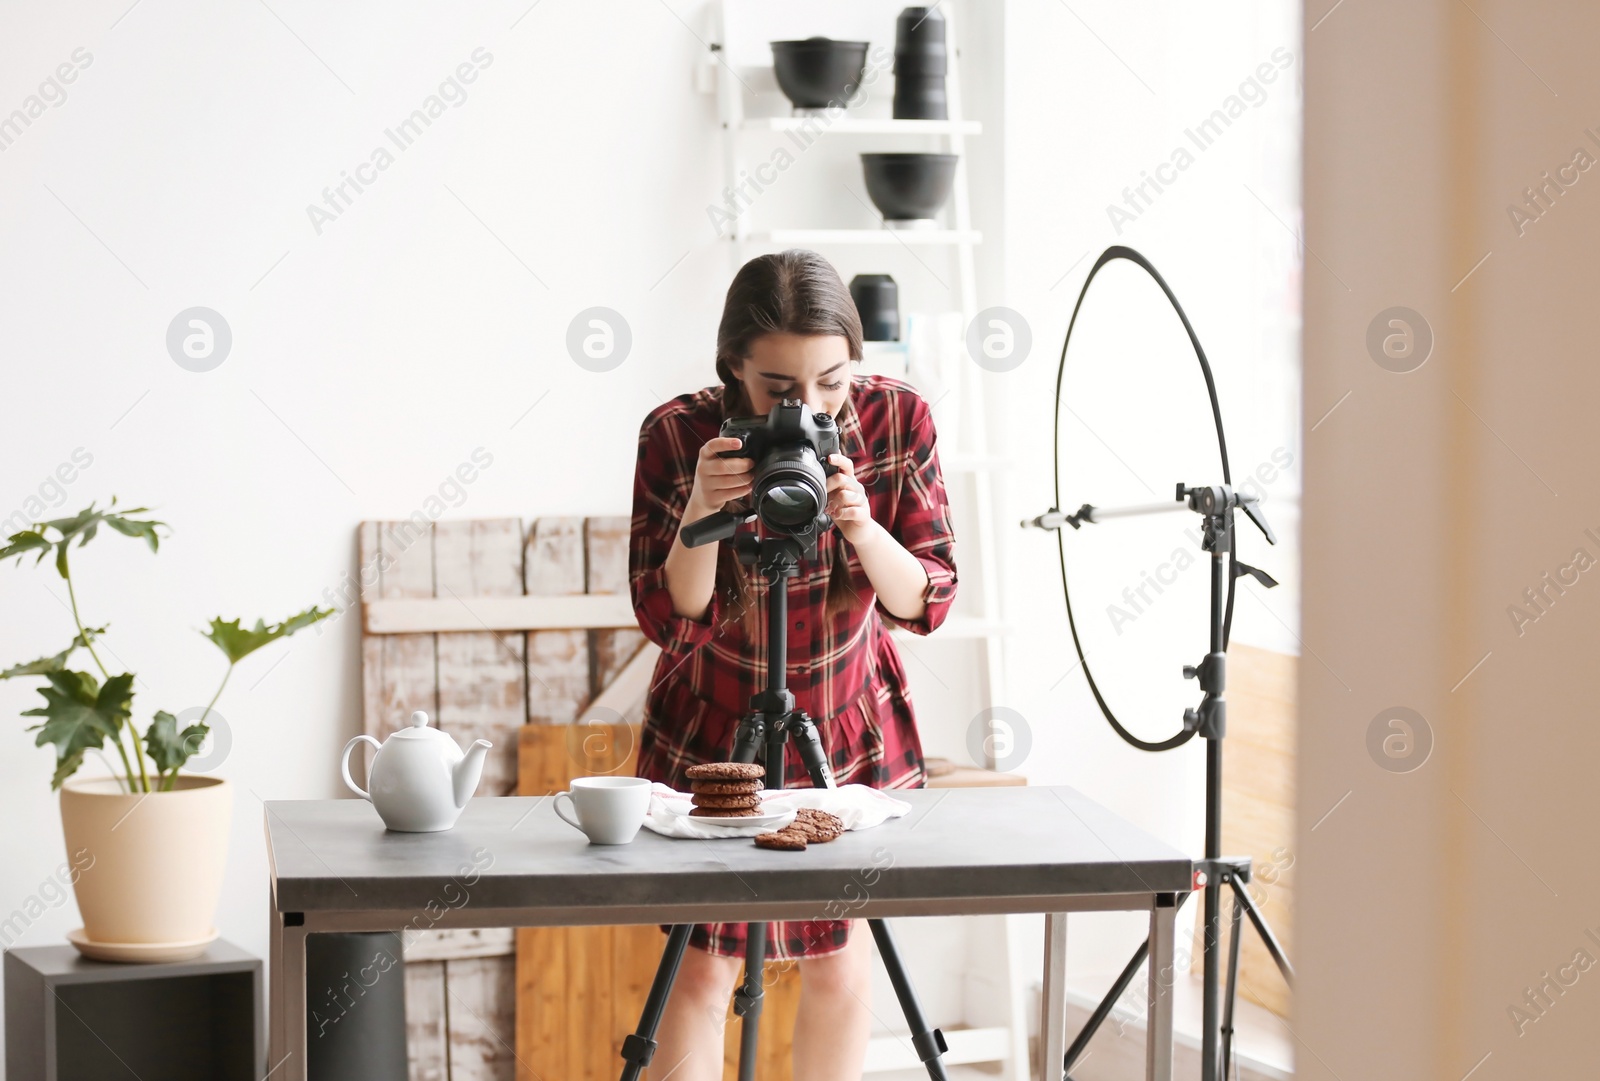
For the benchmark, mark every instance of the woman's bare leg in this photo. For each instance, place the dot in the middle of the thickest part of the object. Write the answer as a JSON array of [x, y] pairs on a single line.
[[834, 1021], [689, 1041]]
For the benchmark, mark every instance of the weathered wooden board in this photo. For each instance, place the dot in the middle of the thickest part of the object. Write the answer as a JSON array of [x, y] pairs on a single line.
[[398, 671], [558, 660], [458, 621], [1258, 807], [468, 942], [444, 615], [426, 1039], [607, 570], [482, 999], [482, 675]]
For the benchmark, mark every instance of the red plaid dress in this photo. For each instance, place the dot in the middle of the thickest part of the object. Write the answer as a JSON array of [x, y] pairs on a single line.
[[846, 674]]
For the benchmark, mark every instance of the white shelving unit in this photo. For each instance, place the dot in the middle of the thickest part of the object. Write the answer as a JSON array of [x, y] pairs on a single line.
[[969, 463], [943, 238]]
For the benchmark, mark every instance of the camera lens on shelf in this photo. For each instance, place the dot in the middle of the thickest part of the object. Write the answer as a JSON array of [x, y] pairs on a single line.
[[920, 64]]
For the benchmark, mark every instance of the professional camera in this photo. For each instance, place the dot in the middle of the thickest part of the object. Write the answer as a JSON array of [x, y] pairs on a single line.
[[789, 489]]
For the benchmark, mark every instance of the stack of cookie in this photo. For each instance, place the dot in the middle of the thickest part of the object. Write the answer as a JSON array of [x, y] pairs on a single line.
[[810, 826], [726, 789]]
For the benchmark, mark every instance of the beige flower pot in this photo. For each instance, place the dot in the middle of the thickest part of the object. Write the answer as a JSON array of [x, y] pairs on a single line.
[[149, 866]]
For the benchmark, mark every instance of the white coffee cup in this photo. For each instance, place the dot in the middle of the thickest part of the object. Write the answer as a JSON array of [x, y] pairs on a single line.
[[608, 810]]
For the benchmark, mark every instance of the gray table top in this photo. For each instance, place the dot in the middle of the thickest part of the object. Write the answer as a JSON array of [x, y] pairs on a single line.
[[513, 853]]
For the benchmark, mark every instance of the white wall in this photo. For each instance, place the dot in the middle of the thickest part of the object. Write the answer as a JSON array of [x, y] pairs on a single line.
[[1098, 94], [429, 318]]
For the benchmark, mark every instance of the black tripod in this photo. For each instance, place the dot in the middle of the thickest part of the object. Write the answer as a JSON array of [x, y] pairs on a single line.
[[767, 728], [1216, 507]]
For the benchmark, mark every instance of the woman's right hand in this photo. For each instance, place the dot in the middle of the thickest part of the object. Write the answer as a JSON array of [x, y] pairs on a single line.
[[717, 480]]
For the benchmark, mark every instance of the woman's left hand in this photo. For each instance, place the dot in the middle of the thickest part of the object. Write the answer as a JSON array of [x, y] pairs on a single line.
[[847, 501]]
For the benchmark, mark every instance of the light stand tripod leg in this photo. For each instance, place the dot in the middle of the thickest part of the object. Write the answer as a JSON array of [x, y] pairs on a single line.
[[1236, 924], [1268, 939], [928, 1043], [640, 1047], [747, 1000]]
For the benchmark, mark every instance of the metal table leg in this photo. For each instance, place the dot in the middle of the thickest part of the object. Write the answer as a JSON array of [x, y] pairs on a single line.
[[288, 1021], [1158, 1027], [1053, 1011]]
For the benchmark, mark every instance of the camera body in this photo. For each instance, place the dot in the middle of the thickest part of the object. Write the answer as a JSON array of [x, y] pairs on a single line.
[[790, 446]]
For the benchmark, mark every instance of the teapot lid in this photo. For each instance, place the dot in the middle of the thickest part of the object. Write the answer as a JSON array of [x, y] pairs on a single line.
[[417, 728]]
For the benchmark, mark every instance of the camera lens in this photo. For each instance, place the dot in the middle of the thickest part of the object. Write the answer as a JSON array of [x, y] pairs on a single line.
[[790, 489], [788, 505]]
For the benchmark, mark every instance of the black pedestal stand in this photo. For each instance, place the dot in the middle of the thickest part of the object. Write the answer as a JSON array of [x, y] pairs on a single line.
[[1216, 507], [772, 720]]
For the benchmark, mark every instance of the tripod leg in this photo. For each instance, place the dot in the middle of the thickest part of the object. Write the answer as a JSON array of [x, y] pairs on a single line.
[[1107, 1004], [1268, 939], [1236, 924], [639, 1047], [809, 744], [929, 1043], [747, 999]]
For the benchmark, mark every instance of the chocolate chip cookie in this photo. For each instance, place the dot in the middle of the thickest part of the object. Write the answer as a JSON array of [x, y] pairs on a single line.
[[724, 812], [751, 800], [818, 827], [784, 840], [726, 771], [724, 788]]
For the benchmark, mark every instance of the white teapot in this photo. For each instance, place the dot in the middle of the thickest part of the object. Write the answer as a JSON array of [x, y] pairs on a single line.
[[420, 780]]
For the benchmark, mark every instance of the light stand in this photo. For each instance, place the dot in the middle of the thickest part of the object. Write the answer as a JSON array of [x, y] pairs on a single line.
[[1216, 506], [767, 727]]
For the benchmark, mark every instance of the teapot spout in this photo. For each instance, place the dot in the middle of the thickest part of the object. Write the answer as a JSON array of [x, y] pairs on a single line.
[[468, 770]]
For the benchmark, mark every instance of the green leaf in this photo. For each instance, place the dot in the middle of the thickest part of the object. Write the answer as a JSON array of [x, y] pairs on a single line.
[[237, 642], [46, 665], [80, 714], [19, 544], [170, 749], [86, 523], [130, 528]]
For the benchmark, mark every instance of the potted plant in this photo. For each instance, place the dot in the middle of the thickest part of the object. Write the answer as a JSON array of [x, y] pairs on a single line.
[[148, 842]]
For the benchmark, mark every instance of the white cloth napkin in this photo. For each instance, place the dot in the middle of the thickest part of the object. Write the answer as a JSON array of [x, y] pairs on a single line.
[[857, 806]]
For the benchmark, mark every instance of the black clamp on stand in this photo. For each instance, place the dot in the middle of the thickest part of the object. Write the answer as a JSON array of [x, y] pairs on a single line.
[[765, 731]]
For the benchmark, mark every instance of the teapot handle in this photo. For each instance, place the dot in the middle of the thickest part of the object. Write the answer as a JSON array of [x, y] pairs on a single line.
[[344, 766]]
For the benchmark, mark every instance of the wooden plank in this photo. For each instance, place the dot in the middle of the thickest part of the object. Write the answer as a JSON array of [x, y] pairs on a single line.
[[623, 698], [481, 992], [589, 990], [398, 672], [558, 660], [445, 614], [1258, 806], [482, 674], [607, 571], [541, 1004], [635, 952], [462, 942], [426, 1044], [579, 989]]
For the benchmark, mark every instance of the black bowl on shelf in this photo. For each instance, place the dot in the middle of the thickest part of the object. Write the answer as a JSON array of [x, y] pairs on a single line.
[[817, 72], [909, 187]]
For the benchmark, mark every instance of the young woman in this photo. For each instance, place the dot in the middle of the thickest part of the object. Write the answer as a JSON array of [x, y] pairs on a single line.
[[789, 330]]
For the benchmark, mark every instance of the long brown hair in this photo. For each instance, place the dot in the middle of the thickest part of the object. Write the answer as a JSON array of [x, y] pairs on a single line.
[[792, 292]]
